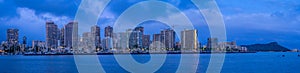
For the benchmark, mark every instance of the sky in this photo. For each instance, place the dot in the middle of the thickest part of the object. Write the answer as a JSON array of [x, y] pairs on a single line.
[[246, 21]]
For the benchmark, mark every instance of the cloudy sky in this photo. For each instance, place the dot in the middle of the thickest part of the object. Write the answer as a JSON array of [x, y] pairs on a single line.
[[246, 21]]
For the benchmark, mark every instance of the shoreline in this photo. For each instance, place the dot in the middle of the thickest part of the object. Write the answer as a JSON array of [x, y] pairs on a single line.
[[136, 53], [144, 53]]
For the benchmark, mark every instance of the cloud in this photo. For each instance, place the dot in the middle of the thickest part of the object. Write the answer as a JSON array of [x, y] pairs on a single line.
[[111, 13], [60, 20], [31, 24], [26, 15], [249, 28], [260, 21], [55, 7], [93, 6], [247, 20], [107, 18]]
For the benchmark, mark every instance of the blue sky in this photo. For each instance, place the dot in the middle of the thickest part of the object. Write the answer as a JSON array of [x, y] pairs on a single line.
[[247, 21]]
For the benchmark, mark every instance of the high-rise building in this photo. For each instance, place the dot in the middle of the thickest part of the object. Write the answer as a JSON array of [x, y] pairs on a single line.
[[24, 44], [200, 45], [24, 40], [38, 46], [107, 43], [212, 43], [96, 33], [146, 41], [115, 39], [51, 35], [88, 42], [227, 45], [62, 37], [140, 28], [108, 31], [122, 41], [140, 32], [168, 39], [156, 42], [12, 36], [189, 40], [135, 39], [12, 39], [68, 33], [156, 37], [177, 46]]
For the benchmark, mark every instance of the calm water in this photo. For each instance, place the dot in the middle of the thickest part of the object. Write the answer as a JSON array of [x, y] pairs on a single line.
[[234, 63]]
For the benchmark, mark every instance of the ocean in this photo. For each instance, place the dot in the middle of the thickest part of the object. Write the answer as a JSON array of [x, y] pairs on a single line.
[[261, 62]]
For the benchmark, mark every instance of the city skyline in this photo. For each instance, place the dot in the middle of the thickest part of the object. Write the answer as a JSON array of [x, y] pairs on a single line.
[[62, 39], [281, 20], [165, 36], [54, 34], [155, 36]]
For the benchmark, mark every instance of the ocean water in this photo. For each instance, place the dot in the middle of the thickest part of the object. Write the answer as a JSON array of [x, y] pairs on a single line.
[[270, 62]]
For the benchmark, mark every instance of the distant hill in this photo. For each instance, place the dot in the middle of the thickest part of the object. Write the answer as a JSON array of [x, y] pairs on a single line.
[[273, 46]]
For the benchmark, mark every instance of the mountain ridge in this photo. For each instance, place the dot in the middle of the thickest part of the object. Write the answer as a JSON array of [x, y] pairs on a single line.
[[272, 46]]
